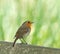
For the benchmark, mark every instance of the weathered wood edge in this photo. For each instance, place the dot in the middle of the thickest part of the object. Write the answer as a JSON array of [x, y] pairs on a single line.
[[6, 48]]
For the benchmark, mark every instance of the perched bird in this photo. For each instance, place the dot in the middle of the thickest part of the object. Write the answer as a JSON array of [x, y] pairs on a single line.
[[23, 31]]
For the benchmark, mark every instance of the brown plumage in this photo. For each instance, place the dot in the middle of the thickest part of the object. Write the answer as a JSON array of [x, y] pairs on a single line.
[[23, 31]]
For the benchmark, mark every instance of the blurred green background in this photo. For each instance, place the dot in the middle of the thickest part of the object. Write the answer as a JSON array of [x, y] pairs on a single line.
[[44, 13]]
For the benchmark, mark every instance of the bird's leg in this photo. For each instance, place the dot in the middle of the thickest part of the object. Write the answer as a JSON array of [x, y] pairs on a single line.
[[24, 40], [21, 41]]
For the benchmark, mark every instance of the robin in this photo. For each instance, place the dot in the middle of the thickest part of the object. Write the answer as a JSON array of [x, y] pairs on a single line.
[[23, 31]]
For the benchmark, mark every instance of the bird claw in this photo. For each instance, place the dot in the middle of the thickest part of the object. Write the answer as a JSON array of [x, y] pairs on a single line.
[[26, 43]]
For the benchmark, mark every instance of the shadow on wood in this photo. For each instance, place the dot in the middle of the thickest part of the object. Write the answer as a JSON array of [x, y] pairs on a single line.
[[6, 48]]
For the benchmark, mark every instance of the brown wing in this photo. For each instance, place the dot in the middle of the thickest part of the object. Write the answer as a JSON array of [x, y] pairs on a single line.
[[21, 32]]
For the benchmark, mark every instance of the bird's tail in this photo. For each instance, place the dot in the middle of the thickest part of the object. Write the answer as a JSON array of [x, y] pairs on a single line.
[[14, 41]]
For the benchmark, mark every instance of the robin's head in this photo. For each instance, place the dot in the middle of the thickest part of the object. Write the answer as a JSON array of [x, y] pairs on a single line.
[[27, 23]]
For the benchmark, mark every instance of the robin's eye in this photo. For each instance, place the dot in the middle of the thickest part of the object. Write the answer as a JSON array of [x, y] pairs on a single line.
[[28, 22]]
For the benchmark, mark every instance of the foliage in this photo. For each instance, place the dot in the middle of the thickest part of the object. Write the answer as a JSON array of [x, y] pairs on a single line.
[[44, 13]]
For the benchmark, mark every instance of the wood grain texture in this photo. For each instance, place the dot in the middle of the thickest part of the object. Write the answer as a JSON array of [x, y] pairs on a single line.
[[6, 48]]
